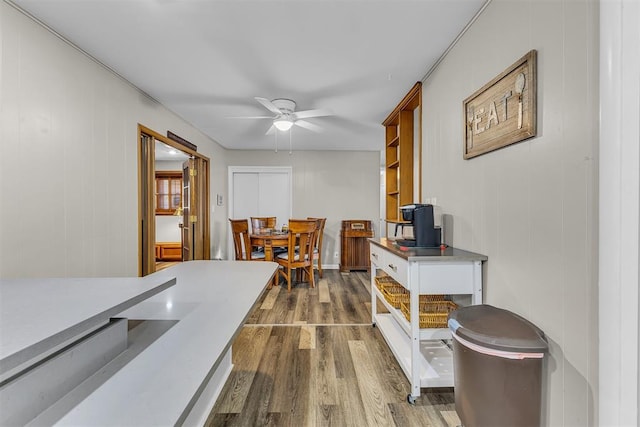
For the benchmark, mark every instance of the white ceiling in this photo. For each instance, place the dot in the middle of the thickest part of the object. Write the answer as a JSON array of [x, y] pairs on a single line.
[[164, 152], [207, 60]]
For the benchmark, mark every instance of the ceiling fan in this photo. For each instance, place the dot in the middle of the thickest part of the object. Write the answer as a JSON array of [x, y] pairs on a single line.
[[286, 116]]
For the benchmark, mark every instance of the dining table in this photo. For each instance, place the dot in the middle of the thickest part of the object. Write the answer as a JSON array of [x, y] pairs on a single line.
[[269, 241]]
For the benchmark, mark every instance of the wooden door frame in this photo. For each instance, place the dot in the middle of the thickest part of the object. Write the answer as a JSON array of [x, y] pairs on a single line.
[[146, 191]]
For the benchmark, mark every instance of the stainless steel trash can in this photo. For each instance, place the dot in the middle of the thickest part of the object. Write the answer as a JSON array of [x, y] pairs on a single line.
[[497, 358]]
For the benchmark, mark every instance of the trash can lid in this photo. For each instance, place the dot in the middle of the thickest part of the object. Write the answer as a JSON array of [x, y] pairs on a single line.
[[498, 329]]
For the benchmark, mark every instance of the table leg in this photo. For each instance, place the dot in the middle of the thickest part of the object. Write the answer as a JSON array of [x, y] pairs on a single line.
[[268, 250], [268, 256]]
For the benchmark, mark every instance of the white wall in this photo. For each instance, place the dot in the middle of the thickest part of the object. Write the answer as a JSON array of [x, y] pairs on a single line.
[[168, 165], [167, 228], [530, 207], [68, 157], [337, 185], [73, 125]]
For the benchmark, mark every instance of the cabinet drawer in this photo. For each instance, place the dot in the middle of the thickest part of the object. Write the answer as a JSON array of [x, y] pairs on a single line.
[[391, 264], [447, 278]]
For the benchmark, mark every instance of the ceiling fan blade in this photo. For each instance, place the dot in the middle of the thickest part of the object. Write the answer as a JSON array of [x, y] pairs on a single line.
[[313, 113], [271, 130], [268, 105], [250, 117], [309, 126]]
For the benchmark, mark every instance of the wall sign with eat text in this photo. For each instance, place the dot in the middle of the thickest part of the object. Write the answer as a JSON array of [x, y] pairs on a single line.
[[503, 111]]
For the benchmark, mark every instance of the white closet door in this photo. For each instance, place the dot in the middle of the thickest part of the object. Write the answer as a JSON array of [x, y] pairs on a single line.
[[246, 195], [274, 198], [259, 191]]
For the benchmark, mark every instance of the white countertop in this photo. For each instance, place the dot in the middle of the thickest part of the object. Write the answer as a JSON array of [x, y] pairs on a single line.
[[39, 314], [210, 303]]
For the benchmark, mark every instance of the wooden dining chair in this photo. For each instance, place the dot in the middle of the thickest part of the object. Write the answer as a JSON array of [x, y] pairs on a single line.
[[241, 242], [301, 234], [260, 222], [317, 247]]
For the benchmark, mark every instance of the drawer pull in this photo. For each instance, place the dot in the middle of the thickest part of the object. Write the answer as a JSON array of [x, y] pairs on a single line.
[[375, 255], [393, 267]]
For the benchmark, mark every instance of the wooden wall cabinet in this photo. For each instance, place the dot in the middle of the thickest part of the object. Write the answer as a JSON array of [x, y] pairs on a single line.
[[354, 249], [168, 251], [400, 128]]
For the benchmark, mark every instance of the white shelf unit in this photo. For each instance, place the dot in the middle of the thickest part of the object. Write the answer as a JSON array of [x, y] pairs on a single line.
[[424, 357], [434, 362]]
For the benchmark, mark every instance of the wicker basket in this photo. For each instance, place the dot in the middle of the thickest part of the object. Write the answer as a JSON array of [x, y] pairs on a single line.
[[433, 314], [395, 293], [432, 297], [381, 281], [392, 291]]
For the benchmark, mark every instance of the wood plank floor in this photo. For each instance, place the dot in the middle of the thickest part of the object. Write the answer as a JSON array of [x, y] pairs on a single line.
[[312, 358], [161, 265]]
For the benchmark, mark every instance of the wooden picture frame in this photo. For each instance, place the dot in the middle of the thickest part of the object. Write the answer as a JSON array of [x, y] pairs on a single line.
[[503, 111]]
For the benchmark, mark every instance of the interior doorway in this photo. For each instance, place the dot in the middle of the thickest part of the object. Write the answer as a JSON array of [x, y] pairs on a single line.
[[169, 195], [173, 203]]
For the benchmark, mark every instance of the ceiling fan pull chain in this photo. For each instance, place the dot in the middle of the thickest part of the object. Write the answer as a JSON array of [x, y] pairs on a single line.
[[290, 132]]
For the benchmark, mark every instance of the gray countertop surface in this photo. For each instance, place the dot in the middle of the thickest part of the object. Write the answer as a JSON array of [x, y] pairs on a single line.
[[427, 254], [39, 314], [208, 301]]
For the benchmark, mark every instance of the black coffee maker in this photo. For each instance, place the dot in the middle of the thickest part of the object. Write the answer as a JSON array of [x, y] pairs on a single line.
[[425, 233]]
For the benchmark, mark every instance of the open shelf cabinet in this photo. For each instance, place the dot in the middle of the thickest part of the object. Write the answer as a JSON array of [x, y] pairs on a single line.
[[400, 133]]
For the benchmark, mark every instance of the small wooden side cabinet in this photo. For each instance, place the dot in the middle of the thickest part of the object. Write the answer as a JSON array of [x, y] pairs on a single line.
[[354, 250], [168, 251]]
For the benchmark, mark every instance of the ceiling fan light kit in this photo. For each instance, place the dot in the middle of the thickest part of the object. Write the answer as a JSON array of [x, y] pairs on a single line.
[[283, 123], [286, 107], [286, 115]]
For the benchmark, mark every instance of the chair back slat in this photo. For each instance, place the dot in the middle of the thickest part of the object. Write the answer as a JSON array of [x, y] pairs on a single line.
[[317, 255], [260, 222], [301, 235], [319, 232], [241, 241]]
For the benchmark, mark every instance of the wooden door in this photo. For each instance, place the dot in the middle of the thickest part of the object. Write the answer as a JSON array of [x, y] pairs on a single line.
[[187, 201], [195, 208], [146, 206], [200, 208]]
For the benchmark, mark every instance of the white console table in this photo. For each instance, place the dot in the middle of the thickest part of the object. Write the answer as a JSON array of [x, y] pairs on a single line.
[[425, 359], [166, 371]]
